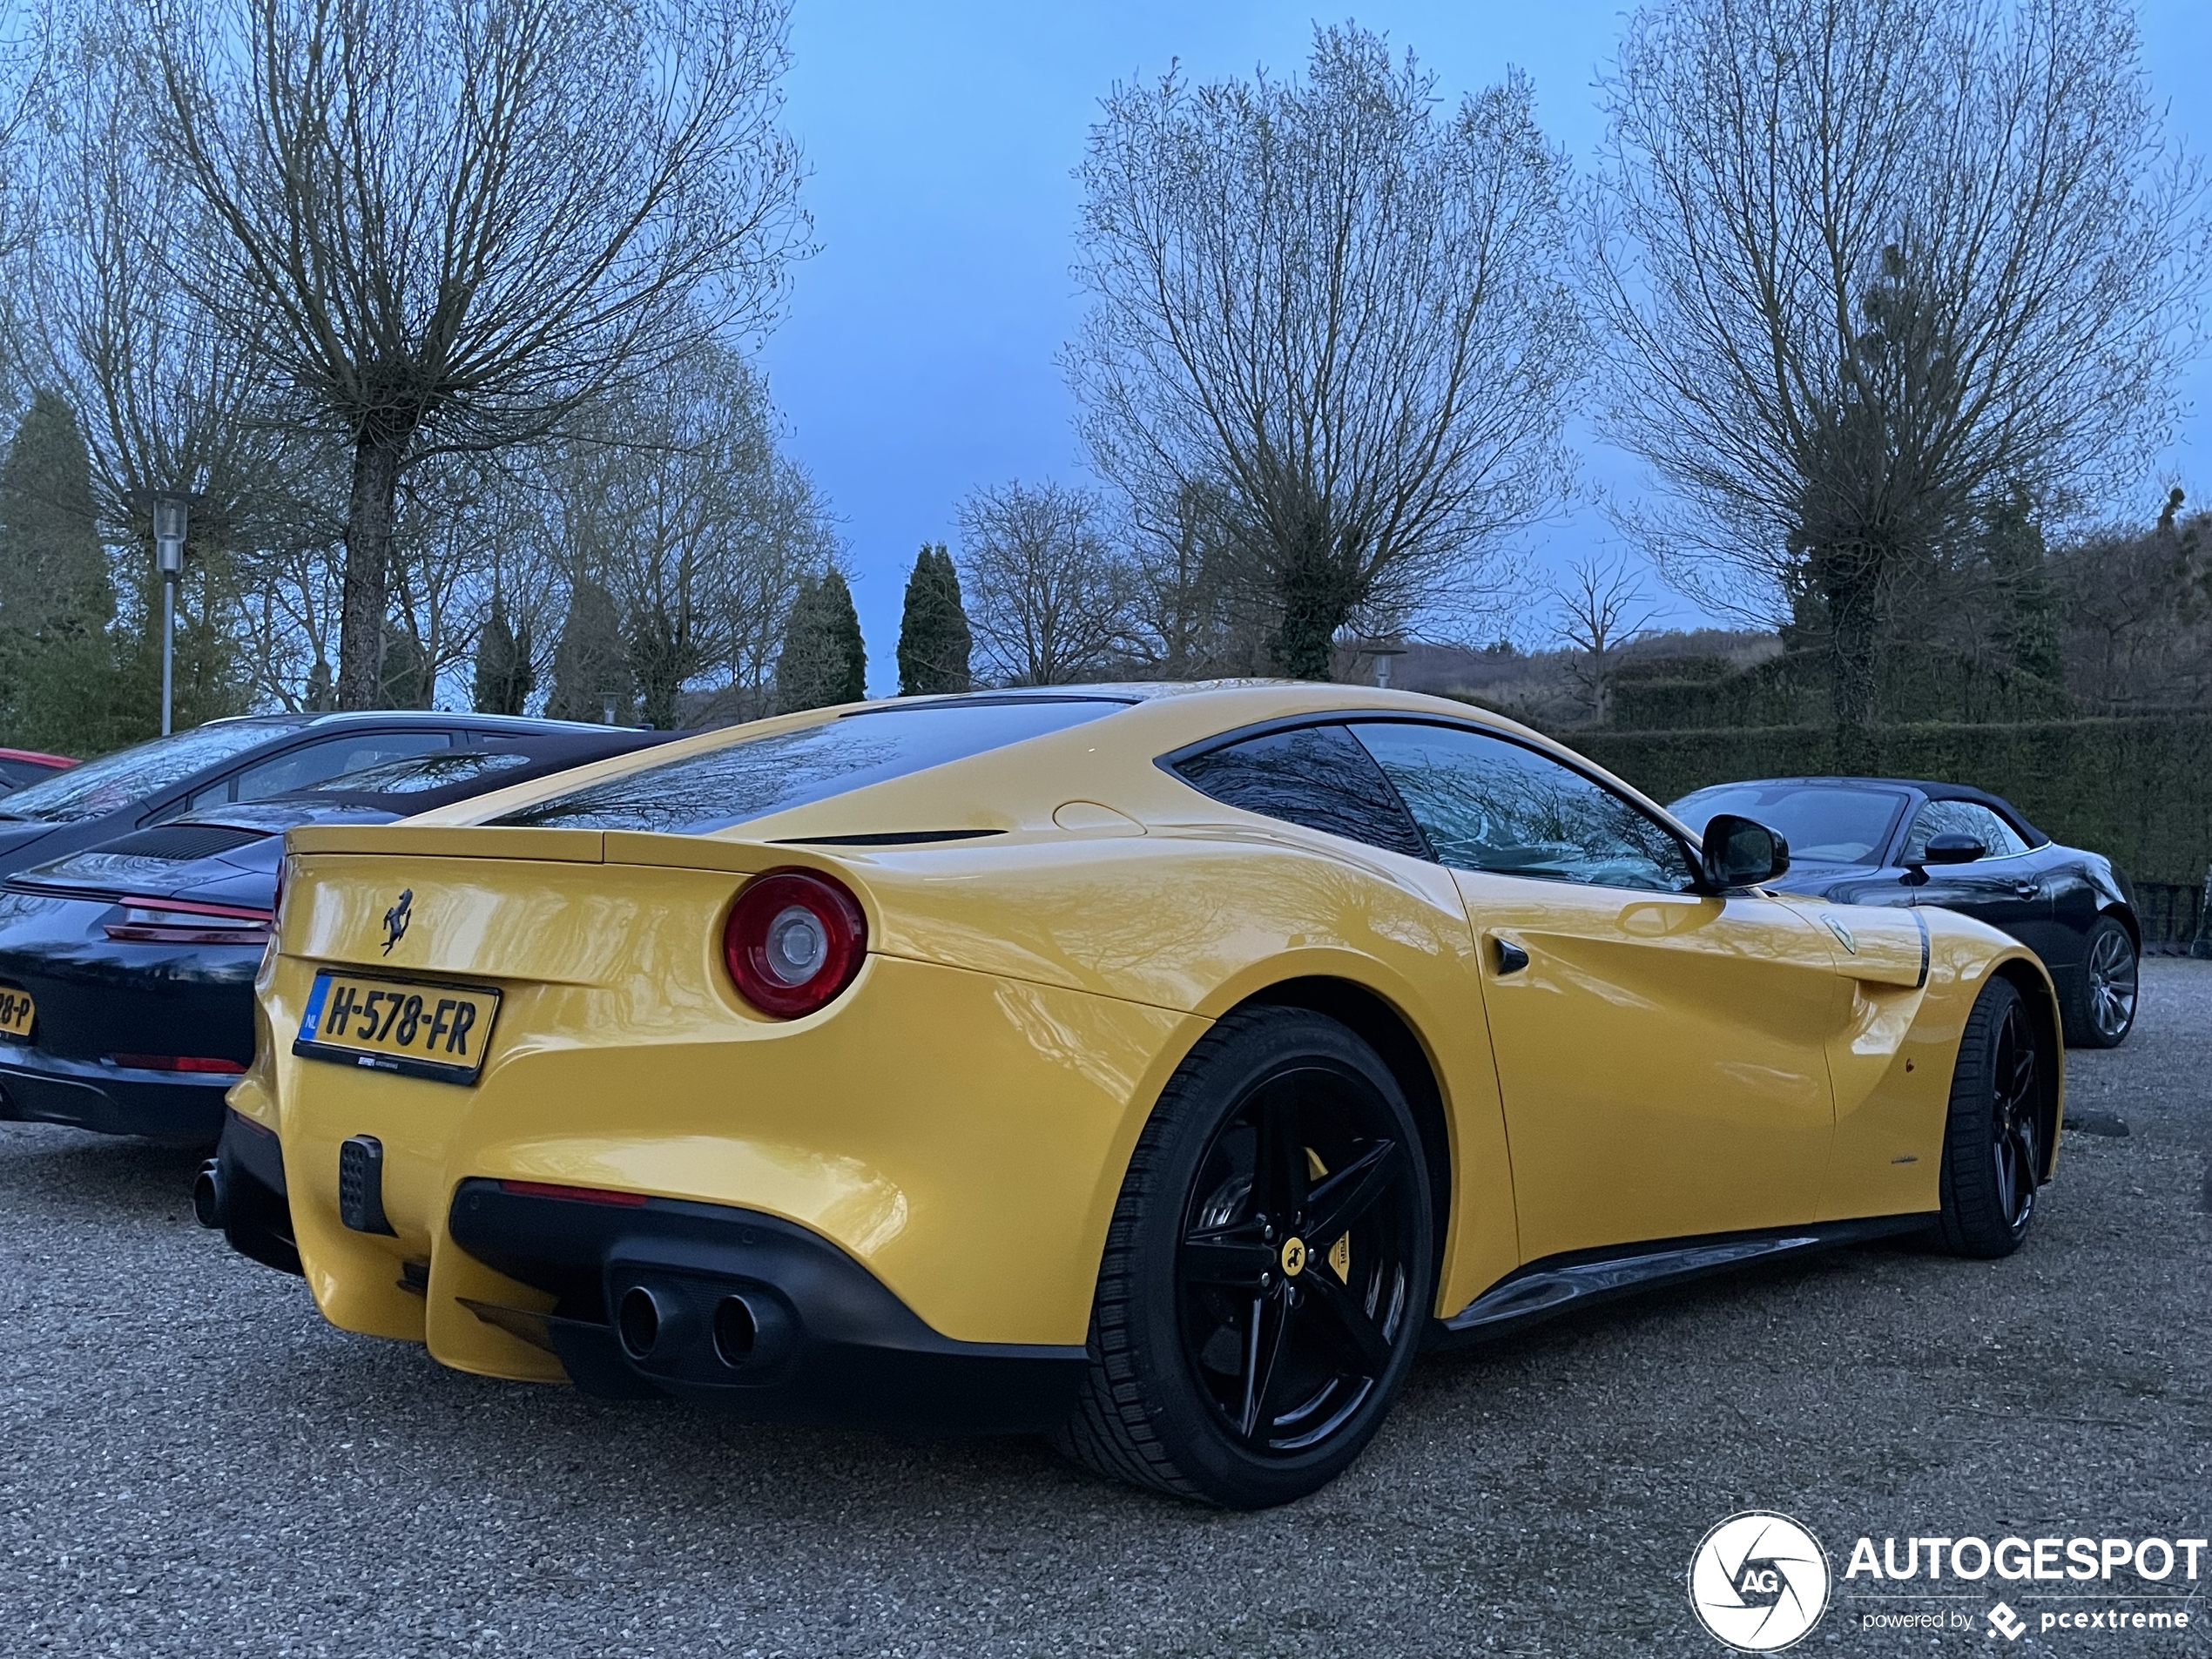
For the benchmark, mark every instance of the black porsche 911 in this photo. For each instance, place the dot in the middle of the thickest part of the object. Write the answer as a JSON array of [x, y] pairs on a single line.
[[250, 757], [126, 968], [1903, 841]]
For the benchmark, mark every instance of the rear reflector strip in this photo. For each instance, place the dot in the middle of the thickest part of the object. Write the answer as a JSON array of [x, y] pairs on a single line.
[[176, 1063], [581, 1195]]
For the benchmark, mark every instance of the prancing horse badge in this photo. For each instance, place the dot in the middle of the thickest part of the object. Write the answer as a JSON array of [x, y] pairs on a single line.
[[396, 919]]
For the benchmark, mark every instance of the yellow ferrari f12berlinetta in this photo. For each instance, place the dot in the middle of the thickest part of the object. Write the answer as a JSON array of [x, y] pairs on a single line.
[[1156, 1067]]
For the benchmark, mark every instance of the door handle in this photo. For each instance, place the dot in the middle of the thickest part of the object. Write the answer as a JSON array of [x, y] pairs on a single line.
[[1511, 958], [2027, 889]]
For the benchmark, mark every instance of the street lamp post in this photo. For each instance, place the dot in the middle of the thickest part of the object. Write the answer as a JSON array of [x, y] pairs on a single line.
[[170, 512]]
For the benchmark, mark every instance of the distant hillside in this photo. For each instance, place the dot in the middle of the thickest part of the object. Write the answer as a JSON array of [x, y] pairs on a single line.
[[1540, 687]]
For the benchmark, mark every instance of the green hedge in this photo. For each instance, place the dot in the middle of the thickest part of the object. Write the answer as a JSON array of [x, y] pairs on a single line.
[[2138, 789]]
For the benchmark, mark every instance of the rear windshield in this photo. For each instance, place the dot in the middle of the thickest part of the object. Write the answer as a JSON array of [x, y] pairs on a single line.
[[1822, 825], [130, 775], [703, 792]]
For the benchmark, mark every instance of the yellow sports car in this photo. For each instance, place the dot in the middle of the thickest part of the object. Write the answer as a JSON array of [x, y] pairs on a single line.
[[1159, 1067]]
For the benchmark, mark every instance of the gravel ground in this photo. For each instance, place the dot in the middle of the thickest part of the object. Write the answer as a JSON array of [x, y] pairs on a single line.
[[193, 1463]]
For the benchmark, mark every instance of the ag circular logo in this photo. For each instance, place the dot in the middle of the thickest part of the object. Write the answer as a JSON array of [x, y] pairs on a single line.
[[1758, 1581]]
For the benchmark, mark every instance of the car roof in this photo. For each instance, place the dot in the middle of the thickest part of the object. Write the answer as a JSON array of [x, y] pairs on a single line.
[[441, 717], [1154, 719]]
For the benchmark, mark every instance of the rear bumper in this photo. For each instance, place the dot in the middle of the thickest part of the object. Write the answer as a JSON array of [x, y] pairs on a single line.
[[744, 1312], [182, 1108]]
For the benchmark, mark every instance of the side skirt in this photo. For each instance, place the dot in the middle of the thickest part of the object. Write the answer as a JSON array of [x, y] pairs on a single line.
[[1560, 1284]]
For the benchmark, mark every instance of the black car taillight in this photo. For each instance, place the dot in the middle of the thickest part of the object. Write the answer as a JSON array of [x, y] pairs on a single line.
[[794, 940]]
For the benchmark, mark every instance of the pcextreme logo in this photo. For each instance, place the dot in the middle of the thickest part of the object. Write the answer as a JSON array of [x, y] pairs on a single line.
[[1758, 1581]]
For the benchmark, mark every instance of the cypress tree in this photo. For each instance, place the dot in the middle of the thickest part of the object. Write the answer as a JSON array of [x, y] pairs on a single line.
[[60, 681], [844, 630], [590, 667], [934, 642], [504, 678], [823, 661], [404, 681]]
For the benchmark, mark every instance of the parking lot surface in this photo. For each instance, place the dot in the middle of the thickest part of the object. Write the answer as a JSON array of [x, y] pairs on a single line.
[[192, 1462]]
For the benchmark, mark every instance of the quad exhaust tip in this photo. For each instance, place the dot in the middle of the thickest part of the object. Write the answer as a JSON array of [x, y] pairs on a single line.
[[683, 1331], [207, 1195], [637, 1321]]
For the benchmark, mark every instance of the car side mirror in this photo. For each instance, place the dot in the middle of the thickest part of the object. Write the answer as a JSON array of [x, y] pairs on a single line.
[[1743, 852], [1954, 849]]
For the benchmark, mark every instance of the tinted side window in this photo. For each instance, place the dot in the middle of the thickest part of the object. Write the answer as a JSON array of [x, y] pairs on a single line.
[[1316, 776], [1962, 818], [311, 763], [1486, 804]]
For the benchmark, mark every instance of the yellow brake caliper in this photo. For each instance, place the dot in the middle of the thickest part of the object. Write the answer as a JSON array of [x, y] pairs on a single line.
[[1340, 1252]]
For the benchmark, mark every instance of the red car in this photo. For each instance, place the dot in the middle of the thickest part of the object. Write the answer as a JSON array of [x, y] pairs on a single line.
[[20, 767]]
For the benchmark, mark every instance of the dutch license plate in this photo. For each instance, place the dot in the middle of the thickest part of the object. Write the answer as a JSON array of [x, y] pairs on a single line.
[[15, 1012], [436, 1031]]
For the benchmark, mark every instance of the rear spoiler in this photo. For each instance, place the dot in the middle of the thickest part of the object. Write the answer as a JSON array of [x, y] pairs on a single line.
[[540, 846]]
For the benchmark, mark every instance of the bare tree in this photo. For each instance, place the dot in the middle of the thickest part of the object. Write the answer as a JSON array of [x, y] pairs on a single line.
[[166, 403], [1049, 601], [444, 226], [677, 497], [1603, 605], [1870, 264], [1199, 612], [1341, 307], [26, 48]]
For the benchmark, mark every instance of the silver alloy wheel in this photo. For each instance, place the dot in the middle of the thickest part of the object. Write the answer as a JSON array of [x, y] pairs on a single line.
[[2112, 984]]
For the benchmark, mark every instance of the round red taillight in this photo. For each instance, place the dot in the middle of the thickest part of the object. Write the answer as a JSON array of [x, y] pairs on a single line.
[[794, 940]]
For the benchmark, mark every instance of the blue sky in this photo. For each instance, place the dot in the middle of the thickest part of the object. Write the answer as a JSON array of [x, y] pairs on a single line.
[[917, 359]]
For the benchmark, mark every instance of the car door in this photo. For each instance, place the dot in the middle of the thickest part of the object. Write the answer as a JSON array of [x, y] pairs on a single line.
[[2009, 887], [1660, 1049]]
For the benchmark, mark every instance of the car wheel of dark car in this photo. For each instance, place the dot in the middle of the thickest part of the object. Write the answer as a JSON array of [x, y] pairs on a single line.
[[2104, 1010], [1268, 1269], [1993, 1139]]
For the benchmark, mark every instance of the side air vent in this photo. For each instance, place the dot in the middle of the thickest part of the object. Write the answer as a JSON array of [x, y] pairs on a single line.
[[886, 837], [181, 843]]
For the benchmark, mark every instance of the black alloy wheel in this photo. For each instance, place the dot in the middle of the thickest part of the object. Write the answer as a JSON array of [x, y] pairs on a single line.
[[1268, 1272], [1287, 1319], [1995, 1140], [2014, 1102], [2113, 979]]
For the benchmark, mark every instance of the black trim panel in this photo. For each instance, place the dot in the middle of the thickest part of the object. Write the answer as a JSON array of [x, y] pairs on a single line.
[[251, 1207], [1559, 1284], [176, 1107], [823, 1340]]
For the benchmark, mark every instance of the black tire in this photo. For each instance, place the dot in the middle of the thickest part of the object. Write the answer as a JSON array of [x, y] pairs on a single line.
[[2101, 1011], [1994, 1142], [1229, 1363]]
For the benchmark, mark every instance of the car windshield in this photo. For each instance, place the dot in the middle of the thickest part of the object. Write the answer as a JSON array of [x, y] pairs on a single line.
[[1823, 824], [116, 780], [416, 773], [701, 793]]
